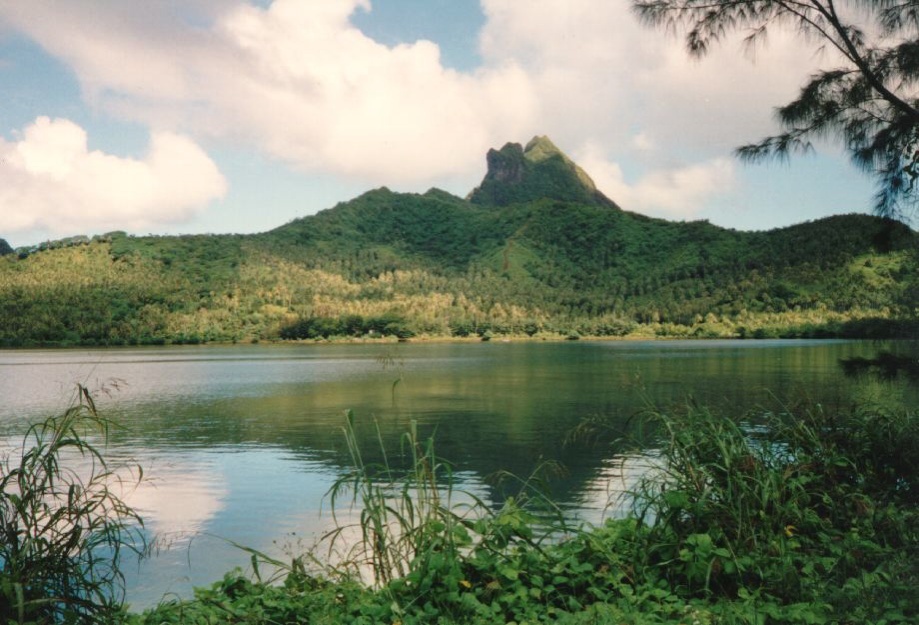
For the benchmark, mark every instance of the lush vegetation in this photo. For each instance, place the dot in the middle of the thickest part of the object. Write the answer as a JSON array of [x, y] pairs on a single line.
[[802, 515], [444, 267], [791, 517]]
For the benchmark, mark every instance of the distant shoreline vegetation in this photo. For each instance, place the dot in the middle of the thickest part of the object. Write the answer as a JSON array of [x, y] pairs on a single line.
[[342, 330]]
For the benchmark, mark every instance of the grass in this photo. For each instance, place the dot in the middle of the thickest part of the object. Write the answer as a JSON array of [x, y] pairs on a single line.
[[811, 514], [405, 516], [63, 525]]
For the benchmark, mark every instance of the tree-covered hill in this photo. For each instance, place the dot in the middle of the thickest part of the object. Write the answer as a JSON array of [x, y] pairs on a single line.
[[504, 261]]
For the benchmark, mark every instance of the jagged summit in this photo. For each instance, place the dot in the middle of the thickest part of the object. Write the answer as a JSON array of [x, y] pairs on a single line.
[[539, 170]]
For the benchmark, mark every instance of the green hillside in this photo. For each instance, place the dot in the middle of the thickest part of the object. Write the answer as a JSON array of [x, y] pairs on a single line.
[[536, 249]]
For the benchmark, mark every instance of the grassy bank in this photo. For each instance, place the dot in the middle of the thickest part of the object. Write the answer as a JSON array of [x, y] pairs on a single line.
[[796, 516]]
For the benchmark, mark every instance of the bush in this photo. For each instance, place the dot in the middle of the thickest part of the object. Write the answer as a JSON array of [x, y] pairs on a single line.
[[462, 328], [812, 508]]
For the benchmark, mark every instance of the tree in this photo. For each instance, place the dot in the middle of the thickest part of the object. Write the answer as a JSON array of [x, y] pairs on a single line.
[[869, 101]]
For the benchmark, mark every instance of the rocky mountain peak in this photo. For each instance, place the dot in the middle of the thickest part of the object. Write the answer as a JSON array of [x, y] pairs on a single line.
[[538, 171]]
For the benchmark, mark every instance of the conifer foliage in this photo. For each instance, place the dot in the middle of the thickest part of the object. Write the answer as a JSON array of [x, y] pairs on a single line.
[[868, 100]]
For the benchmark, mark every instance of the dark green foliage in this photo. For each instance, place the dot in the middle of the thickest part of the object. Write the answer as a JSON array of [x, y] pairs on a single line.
[[867, 102], [63, 525], [347, 326], [5, 248], [387, 231], [236, 599], [813, 508]]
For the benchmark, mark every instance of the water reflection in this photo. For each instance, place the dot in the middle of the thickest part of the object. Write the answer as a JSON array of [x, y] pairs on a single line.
[[884, 365], [610, 493], [195, 503], [182, 497]]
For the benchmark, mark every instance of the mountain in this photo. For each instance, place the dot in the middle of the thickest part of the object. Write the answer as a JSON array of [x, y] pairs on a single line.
[[539, 171], [534, 249]]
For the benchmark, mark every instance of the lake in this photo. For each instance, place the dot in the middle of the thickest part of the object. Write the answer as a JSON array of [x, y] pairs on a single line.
[[241, 443]]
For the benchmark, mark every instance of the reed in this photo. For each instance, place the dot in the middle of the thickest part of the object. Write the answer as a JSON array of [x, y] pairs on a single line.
[[406, 516], [63, 524]]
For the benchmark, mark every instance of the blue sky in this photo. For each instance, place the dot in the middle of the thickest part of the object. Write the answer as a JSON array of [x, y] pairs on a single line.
[[188, 116]]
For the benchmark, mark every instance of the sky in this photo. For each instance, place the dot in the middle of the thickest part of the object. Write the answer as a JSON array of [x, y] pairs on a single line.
[[196, 116]]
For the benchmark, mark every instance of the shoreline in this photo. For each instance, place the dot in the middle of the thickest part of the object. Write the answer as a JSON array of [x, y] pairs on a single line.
[[435, 340]]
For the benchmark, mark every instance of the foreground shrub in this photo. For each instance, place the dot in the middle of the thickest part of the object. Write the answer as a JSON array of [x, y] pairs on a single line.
[[815, 509]]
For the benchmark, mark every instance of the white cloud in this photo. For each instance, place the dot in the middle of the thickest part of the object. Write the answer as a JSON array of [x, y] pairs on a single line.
[[613, 92], [642, 142], [601, 76], [297, 80], [50, 180], [178, 500], [677, 193]]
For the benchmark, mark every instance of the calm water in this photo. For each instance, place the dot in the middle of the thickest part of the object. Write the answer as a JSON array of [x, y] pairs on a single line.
[[241, 443]]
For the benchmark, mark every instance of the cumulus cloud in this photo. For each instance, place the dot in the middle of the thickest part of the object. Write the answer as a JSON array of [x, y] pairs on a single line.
[[600, 74], [676, 193], [617, 93], [295, 79], [50, 180]]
